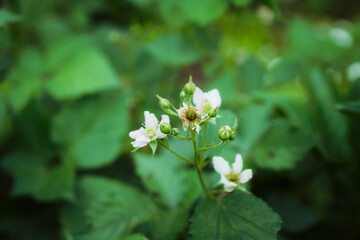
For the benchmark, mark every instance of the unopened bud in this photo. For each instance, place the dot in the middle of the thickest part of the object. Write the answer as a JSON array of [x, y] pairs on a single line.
[[164, 103], [190, 87], [165, 128], [175, 131], [183, 96], [225, 133], [213, 113]]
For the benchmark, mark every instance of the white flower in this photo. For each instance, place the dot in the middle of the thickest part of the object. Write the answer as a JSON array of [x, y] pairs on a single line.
[[205, 101], [231, 177], [190, 116], [151, 131]]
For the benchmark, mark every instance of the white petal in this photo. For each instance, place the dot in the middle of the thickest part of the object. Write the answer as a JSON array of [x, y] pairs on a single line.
[[198, 97], [185, 125], [141, 141], [245, 175], [197, 127], [135, 134], [150, 120], [165, 119], [214, 98], [221, 166], [228, 186], [159, 134], [238, 164]]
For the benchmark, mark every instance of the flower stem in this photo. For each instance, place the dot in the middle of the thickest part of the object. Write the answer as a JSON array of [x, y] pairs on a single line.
[[175, 153], [170, 112], [197, 167], [201, 162], [184, 138], [211, 147]]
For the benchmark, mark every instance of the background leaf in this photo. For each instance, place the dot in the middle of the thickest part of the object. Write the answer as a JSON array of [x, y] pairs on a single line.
[[164, 175], [7, 17], [173, 49], [92, 130], [105, 209], [76, 68], [40, 177]]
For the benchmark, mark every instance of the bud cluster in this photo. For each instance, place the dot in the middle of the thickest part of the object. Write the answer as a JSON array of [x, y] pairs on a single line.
[[197, 108]]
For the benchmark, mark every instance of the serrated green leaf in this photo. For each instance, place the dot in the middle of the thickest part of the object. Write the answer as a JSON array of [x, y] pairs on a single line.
[[236, 216], [106, 209], [92, 130], [76, 68], [35, 175], [173, 49], [7, 17]]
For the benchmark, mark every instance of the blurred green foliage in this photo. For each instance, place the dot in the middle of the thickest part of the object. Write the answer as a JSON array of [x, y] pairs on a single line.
[[76, 76]]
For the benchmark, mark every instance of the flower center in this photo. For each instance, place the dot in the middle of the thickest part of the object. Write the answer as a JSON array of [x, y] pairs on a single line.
[[191, 115], [206, 107], [233, 177], [150, 132]]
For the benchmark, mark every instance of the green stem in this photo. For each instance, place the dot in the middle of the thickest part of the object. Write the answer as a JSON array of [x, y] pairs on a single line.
[[174, 108], [211, 147], [202, 145], [184, 138], [205, 121], [170, 112], [175, 153], [204, 136], [198, 170]]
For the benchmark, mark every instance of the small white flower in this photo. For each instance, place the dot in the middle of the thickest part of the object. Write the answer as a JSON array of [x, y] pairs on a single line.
[[205, 101], [231, 177], [150, 131]]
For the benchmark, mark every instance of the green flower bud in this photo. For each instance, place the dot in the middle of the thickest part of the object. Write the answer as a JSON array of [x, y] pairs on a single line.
[[190, 87], [165, 128], [232, 136], [164, 103], [213, 113], [175, 131], [225, 133], [183, 96]]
